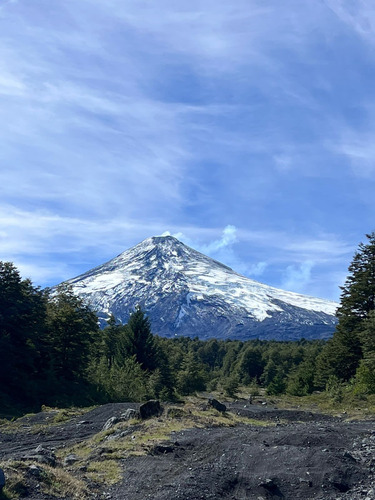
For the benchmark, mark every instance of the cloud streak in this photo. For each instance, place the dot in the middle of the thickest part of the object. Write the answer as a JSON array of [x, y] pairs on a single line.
[[297, 277], [228, 238], [359, 16]]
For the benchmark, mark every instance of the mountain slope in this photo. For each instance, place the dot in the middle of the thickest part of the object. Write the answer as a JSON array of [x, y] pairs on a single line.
[[187, 293]]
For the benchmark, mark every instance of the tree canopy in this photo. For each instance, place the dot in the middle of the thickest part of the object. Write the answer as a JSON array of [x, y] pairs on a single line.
[[344, 352], [22, 311]]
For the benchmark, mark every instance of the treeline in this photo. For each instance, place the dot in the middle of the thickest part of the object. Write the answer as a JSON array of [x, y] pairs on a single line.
[[53, 352], [349, 357], [46, 342], [181, 366]]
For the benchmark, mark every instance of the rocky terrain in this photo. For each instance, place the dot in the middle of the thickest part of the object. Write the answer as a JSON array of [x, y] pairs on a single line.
[[186, 293], [190, 451]]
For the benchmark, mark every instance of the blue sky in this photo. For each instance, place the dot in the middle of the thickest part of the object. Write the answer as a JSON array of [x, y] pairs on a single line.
[[246, 128]]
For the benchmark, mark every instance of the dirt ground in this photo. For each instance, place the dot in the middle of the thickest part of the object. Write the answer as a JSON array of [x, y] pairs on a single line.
[[303, 455]]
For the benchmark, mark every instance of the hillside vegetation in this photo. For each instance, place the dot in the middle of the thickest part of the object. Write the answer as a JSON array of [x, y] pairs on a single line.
[[52, 351]]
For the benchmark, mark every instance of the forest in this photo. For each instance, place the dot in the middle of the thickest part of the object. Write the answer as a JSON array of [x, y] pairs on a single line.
[[52, 351]]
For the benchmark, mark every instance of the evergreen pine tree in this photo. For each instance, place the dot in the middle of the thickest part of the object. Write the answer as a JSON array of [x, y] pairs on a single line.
[[141, 341], [22, 313], [111, 341], [72, 332], [251, 364], [365, 375], [191, 377], [342, 354], [358, 293]]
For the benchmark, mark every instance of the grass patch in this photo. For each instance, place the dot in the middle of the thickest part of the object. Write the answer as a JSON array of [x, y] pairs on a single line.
[[104, 471], [16, 484], [60, 483], [213, 418], [14, 425], [37, 422], [52, 481], [351, 406], [66, 414]]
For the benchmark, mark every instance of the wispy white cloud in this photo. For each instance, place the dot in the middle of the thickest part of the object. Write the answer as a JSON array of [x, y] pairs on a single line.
[[283, 162], [228, 238], [359, 149], [314, 266], [360, 16], [5, 3], [323, 248], [297, 277], [256, 270], [10, 85], [222, 248], [166, 135]]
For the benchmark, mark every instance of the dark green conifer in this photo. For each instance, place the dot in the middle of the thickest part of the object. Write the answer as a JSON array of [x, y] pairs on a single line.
[[72, 331], [141, 341], [22, 313], [342, 355]]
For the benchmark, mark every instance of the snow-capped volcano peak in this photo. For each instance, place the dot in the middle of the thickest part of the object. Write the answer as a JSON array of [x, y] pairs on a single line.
[[185, 292], [165, 249]]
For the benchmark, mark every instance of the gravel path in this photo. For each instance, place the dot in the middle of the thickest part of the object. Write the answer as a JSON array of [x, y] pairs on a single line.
[[304, 456], [317, 460]]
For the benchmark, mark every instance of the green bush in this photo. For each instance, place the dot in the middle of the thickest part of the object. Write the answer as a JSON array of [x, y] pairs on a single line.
[[335, 388]]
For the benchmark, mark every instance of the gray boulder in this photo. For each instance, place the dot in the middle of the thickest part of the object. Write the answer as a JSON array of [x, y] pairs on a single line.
[[268, 484], [42, 456], [34, 470], [70, 459], [129, 414], [110, 423]]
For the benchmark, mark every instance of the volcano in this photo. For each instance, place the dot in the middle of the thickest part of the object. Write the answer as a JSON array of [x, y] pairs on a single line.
[[186, 293]]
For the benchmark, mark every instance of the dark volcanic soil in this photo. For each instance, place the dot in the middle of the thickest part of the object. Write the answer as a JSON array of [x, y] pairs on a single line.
[[304, 456], [77, 429]]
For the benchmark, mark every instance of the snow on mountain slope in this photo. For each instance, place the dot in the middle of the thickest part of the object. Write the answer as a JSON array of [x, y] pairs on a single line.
[[187, 293]]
